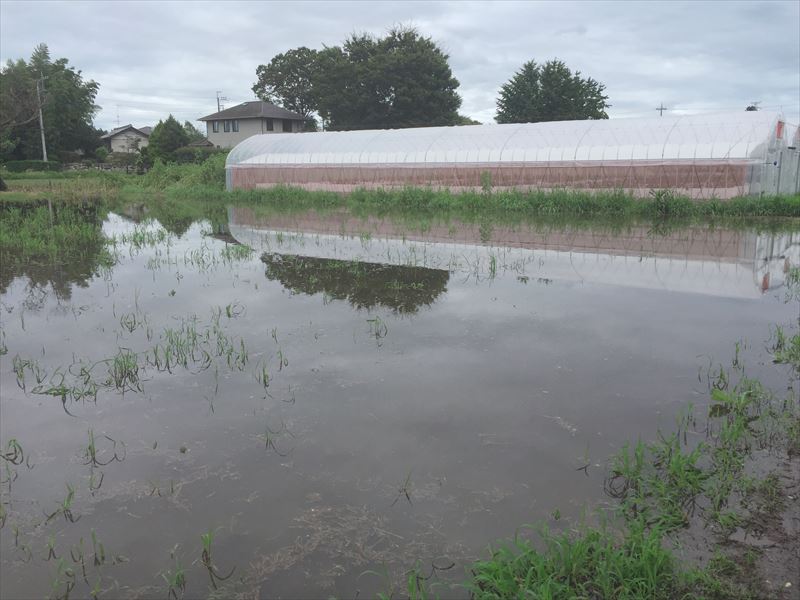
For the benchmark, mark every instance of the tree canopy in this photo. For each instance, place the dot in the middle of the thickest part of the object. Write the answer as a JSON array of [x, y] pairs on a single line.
[[400, 80], [288, 80], [67, 108], [193, 134], [550, 92], [165, 138]]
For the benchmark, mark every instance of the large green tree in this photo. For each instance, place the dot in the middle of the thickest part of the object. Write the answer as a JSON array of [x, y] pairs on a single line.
[[67, 103], [288, 81], [400, 80], [166, 137], [550, 92]]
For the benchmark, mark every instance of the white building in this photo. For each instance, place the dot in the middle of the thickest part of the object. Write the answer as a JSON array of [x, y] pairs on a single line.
[[228, 127], [127, 138]]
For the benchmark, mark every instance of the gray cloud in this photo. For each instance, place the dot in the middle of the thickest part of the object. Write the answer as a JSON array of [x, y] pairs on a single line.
[[155, 58]]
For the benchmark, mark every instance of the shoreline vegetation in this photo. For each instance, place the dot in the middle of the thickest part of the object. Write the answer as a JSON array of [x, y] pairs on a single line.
[[724, 479], [204, 182]]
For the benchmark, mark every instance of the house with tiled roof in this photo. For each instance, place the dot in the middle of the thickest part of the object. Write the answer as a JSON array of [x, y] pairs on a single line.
[[228, 127], [127, 138]]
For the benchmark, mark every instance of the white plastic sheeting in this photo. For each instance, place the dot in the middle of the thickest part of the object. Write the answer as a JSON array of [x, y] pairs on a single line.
[[738, 135]]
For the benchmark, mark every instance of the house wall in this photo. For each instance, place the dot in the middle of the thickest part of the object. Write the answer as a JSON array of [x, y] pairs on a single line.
[[126, 142], [247, 128]]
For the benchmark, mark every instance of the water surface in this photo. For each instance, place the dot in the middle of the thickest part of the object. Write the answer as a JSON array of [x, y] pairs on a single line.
[[429, 391]]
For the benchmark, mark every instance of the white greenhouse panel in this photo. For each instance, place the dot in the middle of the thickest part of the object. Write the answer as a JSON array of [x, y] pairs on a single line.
[[733, 136]]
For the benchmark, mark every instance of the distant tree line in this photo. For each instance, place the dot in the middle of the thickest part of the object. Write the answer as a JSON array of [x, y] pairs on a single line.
[[404, 80]]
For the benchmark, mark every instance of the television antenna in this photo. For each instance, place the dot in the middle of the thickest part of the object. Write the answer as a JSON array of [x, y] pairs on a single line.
[[220, 99]]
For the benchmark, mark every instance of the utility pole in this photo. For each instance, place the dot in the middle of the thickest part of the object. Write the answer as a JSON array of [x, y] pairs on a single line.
[[39, 94], [117, 116], [220, 99], [661, 110]]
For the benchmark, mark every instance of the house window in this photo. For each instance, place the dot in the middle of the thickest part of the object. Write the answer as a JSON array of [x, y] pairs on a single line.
[[235, 124], [215, 126], [270, 125], [287, 126], [227, 126]]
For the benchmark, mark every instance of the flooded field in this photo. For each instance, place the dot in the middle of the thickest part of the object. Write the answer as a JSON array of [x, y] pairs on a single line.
[[310, 405]]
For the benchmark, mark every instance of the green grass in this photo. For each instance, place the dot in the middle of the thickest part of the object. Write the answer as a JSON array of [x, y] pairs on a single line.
[[593, 563], [661, 204], [205, 182]]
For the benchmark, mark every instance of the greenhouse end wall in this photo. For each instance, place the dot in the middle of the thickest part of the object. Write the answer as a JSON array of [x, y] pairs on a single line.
[[719, 156]]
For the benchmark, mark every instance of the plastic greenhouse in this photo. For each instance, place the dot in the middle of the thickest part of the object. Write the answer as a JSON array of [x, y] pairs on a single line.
[[720, 155]]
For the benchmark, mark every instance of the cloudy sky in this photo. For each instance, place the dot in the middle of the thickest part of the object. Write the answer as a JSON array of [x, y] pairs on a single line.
[[156, 58]]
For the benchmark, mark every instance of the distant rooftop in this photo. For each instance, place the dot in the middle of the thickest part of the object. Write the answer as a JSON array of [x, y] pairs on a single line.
[[254, 110], [145, 131]]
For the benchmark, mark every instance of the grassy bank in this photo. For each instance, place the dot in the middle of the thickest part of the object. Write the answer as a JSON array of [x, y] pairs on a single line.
[[205, 182]]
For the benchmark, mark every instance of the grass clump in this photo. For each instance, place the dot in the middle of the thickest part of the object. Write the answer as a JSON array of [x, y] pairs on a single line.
[[592, 563]]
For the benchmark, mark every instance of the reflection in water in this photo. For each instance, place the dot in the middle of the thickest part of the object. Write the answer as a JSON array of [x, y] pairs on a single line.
[[177, 217], [59, 245], [717, 262], [403, 289]]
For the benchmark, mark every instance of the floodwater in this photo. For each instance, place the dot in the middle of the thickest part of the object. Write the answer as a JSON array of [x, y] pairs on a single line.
[[348, 398]]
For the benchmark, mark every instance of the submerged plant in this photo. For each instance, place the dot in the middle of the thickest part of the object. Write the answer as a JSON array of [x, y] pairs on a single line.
[[175, 577], [65, 507], [404, 490], [123, 372], [92, 455], [207, 561], [13, 452], [378, 328]]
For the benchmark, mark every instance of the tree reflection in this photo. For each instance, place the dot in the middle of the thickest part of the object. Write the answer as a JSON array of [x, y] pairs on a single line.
[[365, 285], [59, 245]]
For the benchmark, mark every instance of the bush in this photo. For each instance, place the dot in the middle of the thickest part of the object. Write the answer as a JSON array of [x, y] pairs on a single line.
[[67, 156], [210, 172], [144, 161], [195, 154], [18, 166], [101, 153], [122, 159]]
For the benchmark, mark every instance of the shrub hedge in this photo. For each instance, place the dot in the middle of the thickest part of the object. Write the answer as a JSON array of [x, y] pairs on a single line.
[[18, 166]]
